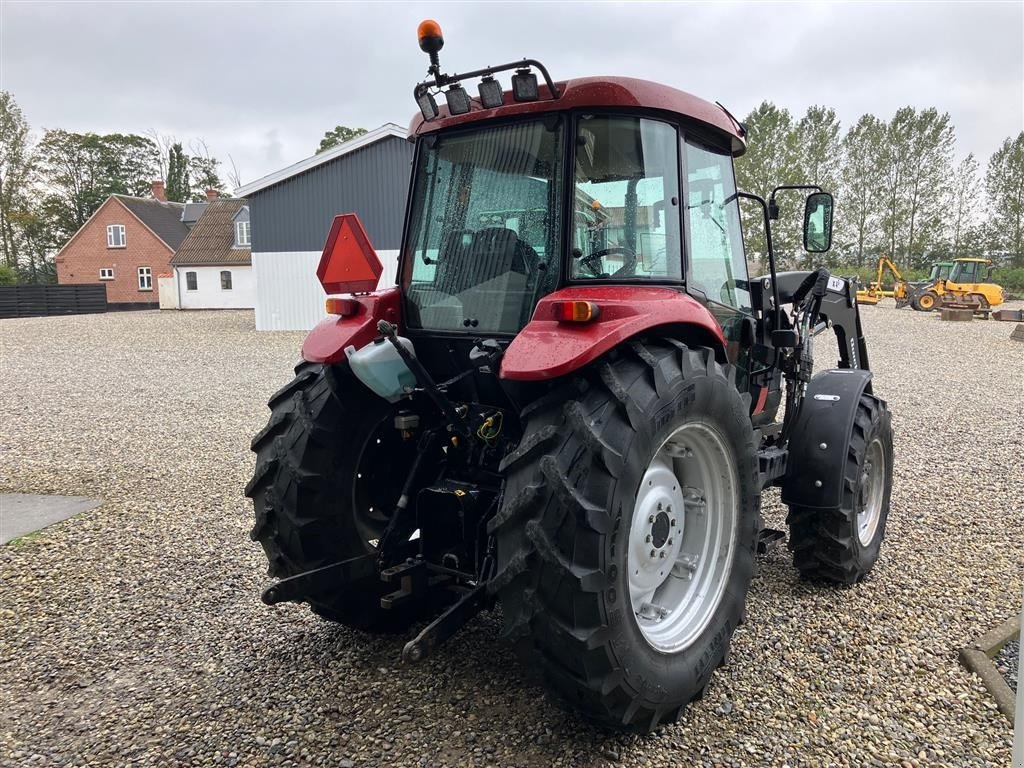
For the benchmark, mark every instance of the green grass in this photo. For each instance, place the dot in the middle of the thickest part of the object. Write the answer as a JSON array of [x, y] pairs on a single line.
[[27, 540]]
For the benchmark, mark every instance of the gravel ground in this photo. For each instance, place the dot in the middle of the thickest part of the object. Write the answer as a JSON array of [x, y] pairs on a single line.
[[1007, 661], [133, 634]]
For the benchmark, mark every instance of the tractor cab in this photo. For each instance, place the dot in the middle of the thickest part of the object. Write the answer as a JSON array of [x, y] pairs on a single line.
[[940, 271], [971, 271], [512, 203]]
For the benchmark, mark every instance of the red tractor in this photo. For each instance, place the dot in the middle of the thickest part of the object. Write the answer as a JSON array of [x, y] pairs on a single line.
[[568, 403]]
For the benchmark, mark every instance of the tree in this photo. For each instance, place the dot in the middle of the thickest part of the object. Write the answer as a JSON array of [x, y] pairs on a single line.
[[203, 168], [860, 184], [819, 150], [819, 157], [1005, 182], [965, 199], [927, 180], [81, 170], [178, 187], [894, 159], [917, 164], [339, 135], [163, 143], [17, 165], [771, 159]]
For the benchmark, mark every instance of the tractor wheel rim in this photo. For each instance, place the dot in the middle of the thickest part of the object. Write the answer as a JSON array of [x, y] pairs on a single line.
[[871, 493], [682, 538]]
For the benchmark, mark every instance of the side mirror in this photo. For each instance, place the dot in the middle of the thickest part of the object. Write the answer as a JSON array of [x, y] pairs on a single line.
[[818, 222]]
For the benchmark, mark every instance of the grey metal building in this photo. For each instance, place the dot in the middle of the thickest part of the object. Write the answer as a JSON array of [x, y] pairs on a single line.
[[291, 212]]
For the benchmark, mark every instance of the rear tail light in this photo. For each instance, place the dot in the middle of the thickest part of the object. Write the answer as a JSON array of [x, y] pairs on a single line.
[[343, 307], [575, 311]]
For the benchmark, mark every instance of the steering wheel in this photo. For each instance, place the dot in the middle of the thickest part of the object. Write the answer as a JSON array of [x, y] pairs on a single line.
[[628, 263]]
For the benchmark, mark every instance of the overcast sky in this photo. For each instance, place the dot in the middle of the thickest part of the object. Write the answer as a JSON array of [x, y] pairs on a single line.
[[262, 81]]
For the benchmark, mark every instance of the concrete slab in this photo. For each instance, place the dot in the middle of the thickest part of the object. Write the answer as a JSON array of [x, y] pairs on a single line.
[[23, 513]]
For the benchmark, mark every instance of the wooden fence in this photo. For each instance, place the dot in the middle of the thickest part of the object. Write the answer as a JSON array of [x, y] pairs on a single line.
[[37, 300]]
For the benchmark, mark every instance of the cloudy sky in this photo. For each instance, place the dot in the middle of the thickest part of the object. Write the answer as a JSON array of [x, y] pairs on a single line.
[[262, 81]]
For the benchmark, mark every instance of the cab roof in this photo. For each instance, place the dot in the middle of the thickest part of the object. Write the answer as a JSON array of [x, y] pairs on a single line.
[[606, 92]]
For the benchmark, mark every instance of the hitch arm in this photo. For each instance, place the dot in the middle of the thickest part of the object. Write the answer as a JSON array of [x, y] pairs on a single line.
[[302, 586]]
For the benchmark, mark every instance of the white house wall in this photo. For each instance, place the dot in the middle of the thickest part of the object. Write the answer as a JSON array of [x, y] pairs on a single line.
[[288, 295], [208, 293]]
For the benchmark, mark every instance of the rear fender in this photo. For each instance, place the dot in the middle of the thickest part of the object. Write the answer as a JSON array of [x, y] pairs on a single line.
[[327, 341], [820, 438], [547, 348]]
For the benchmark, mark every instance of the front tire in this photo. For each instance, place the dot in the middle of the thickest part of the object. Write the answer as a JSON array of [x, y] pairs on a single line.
[[841, 545], [582, 487], [927, 301]]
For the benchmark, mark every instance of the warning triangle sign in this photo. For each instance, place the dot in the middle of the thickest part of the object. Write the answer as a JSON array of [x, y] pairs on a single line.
[[348, 264]]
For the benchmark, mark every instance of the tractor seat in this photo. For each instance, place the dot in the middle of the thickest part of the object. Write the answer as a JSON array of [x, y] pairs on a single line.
[[469, 258]]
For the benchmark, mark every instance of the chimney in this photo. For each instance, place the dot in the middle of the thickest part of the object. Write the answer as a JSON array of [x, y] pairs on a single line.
[[211, 195], [159, 193]]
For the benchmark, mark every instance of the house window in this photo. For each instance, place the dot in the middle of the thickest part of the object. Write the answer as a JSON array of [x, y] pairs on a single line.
[[115, 236], [106, 273], [225, 279], [145, 279], [191, 283], [241, 234]]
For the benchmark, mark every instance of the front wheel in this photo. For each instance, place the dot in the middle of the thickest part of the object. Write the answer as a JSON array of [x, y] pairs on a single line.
[[627, 534], [841, 545], [927, 301]]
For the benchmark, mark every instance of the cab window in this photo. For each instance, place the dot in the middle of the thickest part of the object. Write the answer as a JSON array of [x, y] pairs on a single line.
[[626, 200], [717, 265], [966, 272]]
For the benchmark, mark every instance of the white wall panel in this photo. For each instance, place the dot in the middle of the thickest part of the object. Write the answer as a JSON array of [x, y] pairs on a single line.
[[288, 295], [208, 293]]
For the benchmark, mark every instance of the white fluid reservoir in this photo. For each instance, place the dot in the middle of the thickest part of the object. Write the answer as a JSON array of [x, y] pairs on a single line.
[[379, 366]]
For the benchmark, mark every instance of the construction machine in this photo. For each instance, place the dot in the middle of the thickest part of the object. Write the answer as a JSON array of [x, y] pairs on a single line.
[[569, 402], [968, 286], [875, 290]]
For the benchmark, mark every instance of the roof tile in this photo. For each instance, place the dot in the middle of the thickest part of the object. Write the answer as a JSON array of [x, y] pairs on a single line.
[[212, 239]]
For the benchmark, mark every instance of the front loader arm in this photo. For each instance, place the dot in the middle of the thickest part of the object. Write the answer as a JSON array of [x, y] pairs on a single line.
[[839, 310]]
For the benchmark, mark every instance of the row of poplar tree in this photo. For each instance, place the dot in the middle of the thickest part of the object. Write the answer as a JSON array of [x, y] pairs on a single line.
[[51, 185], [899, 188]]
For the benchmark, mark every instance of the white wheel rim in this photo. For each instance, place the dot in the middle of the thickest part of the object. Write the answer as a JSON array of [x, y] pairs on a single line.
[[871, 492], [682, 537]]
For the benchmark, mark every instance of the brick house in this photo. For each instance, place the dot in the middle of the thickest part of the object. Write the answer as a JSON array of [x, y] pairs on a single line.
[[124, 245]]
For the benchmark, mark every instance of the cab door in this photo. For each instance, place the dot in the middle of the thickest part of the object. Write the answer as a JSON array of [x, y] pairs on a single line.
[[716, 266]]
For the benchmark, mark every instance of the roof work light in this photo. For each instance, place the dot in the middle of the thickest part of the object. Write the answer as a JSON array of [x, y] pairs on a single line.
[[458, 99], [426, 102], [491, 93], [524, 85]]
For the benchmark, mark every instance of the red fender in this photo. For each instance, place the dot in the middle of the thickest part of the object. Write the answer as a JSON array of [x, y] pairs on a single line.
[[547, 348], [327, 341]]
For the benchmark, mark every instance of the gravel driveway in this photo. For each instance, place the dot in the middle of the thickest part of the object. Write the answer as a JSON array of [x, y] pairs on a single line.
[[134, 634]]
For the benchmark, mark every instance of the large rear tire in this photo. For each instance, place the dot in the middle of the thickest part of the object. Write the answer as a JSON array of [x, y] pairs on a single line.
[[324, 487], [634, 489], [841, 545]]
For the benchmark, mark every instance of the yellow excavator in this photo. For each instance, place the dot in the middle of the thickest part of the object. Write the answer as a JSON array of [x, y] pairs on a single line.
[[875, 291], [968, 286]]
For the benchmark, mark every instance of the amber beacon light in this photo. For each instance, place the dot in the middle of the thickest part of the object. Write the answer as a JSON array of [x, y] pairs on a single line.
[[430, 37]]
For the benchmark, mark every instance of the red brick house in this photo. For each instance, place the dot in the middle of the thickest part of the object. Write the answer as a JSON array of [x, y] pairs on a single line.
[[124, 245]]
